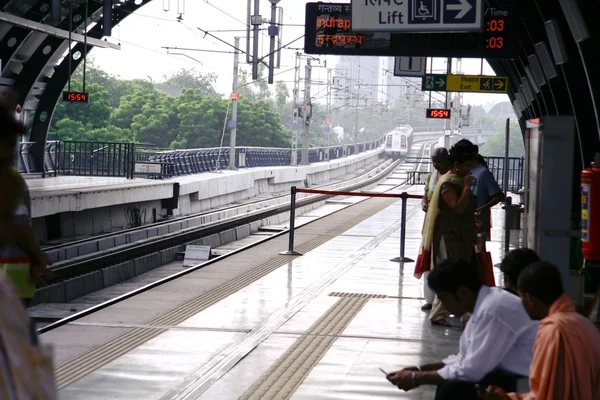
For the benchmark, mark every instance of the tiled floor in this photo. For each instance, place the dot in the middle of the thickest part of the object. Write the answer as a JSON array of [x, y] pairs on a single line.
[[284, 336]]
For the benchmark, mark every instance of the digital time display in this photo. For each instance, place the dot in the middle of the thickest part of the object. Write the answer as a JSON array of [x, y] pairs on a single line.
[[495, 29], [328, 30], [76, 97], [438, 113]]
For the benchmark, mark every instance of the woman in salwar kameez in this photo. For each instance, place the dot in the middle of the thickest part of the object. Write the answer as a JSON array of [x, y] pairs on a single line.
[[450, 230]]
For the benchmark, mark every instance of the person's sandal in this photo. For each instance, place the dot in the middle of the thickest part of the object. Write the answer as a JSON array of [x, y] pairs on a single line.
[[426, 306], [441, 322]]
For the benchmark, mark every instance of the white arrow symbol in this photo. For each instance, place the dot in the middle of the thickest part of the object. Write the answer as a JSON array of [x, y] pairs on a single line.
[[441, 82], [464, 7]]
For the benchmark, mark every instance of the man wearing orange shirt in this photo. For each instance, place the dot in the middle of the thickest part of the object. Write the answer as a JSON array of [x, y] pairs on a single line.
[[566, 354]]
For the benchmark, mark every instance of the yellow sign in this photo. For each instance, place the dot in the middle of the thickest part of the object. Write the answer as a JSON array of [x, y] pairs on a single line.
[[477, 84]]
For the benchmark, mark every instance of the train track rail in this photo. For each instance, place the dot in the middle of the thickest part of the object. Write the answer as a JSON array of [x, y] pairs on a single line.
[[185, 236], [98, 260]]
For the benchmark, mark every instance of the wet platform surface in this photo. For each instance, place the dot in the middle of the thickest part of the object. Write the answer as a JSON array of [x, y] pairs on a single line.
[[300, 331]]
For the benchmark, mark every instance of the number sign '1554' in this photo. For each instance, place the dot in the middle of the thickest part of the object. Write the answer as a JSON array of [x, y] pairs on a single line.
[[438, 113], [76, 97]]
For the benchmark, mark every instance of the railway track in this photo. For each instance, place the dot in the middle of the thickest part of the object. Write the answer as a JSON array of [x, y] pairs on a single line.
[[423, 149], [98, 260]]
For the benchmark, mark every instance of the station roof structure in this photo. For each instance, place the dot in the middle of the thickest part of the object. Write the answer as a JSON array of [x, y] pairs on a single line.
[[554, 73]]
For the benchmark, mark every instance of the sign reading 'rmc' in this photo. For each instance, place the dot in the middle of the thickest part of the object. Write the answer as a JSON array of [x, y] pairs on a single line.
[[417, 15], [329, 30], [465, 83]]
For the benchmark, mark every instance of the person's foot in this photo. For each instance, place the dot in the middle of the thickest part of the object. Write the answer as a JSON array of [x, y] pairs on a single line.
[[426, 306], [441, 322]]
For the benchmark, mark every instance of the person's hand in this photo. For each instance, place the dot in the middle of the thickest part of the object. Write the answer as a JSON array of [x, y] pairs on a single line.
[[494, 393], [479, 211], [469, 181], [424, 205], [402, 379], [40, 273]]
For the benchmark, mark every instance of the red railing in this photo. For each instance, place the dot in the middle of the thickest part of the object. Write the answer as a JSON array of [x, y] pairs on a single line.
[[404, 196]]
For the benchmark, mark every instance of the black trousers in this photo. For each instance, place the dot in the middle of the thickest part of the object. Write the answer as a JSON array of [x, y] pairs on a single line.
[[466, 390]]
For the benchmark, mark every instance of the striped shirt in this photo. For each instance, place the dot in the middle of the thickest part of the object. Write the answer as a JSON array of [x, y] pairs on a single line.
[[25, 371], [13, 261]]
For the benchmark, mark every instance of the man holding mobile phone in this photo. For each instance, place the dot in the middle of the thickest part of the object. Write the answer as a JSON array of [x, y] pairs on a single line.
[[496, 347]]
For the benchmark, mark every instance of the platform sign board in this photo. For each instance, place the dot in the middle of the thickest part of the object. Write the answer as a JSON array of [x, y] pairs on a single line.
[[410, 66], [195, 255], [147, 168], [417, 15], [329, 30], [465, 83]]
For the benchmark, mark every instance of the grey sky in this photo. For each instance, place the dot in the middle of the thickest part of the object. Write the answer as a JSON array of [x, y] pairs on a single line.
[[144, 34]]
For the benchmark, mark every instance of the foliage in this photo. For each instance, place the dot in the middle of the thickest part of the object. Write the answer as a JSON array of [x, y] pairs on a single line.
[[495, 145], [184, 110]]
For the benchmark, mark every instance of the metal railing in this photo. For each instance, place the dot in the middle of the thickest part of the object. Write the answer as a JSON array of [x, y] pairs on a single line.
[[516, 166]]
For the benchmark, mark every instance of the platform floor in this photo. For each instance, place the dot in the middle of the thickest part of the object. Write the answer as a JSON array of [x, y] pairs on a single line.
[[262, 326]]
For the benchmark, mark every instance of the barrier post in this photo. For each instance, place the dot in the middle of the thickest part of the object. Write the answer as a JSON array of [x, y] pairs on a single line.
[[507, 223], [290, 251], [402, 258]]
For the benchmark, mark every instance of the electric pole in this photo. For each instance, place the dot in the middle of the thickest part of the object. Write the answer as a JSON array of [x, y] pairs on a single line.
[[446, 135], [295, 111], [273, 33], [306, 110], [234, 105], [328, 120]]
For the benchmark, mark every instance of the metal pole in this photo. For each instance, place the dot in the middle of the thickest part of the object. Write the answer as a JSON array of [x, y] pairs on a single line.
[[295, 126], [290, 251], [508, 202], [402, 258], [273, 37], [255, 38], [329, 133], [248, 26], [447, 105], [234, 106], [306, 109]]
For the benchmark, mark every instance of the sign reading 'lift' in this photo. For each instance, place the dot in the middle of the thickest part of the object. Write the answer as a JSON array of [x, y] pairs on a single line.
[[417, 15], [465, 83]]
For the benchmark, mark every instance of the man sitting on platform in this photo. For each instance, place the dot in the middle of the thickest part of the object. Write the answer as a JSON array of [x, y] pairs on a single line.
[[514, 263], [566, 360], [495, 347]]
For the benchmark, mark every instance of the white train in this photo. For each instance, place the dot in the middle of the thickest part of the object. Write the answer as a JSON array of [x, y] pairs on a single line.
[[398, 142]]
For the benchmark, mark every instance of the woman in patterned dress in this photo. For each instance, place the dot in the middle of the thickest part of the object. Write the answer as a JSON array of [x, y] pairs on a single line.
[[450, 230]]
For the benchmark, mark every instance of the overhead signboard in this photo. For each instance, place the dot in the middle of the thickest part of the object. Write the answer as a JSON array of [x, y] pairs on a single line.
[[417, 15], [465, 83], [410, 66], [329, 30], [438, 113]]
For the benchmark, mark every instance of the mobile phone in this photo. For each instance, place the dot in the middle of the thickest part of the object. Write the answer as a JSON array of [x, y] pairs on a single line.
[[386, 374]]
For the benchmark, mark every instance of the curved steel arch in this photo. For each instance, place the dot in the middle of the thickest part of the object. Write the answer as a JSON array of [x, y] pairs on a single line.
[[46, 52]]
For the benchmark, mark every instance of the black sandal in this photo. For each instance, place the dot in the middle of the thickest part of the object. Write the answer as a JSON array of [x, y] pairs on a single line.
[[441, 322]]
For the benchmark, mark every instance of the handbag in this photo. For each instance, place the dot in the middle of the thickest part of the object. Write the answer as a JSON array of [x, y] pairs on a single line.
[[423, 263]]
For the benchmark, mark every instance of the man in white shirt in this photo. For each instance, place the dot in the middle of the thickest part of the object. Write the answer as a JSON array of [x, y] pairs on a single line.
[[496, 345]]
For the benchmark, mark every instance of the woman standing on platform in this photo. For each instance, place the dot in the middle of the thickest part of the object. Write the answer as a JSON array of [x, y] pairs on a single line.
[[441, 165], [450, 230]]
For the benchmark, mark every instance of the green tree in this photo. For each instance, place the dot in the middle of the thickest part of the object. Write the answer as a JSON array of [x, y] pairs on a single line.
[[94, 114], [190, 79], [495, 145]]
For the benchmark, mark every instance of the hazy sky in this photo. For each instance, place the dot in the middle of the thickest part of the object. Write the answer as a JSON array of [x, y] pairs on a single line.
[[144, 34]]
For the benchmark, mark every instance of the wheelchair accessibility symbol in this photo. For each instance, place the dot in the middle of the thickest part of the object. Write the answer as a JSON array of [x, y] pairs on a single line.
[[424, 11]]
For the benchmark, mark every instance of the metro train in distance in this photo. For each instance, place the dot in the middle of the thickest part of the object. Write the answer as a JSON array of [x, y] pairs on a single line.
[[398, 142]]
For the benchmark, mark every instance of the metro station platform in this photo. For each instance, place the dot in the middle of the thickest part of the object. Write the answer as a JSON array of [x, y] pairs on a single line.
[[259, 325]]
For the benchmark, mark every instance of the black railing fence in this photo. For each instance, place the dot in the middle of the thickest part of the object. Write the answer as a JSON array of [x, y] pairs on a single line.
[[129, 160], [516, 167]]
